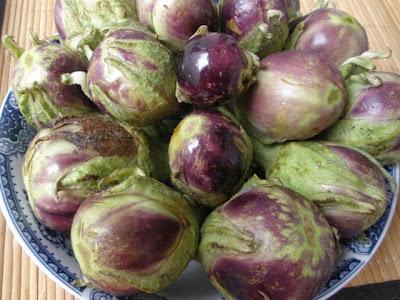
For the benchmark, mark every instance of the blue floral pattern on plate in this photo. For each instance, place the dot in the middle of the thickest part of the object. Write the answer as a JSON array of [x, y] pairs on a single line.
[[52, 250]]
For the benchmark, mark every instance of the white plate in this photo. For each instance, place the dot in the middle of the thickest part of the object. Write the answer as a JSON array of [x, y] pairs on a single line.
[[52, 251]]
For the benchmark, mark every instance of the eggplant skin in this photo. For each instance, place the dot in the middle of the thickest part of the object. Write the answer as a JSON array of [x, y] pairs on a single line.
[[209, 157], [371, 120], [134, 237], [298, 95], [142, 91], [331, 33], [42, 97], [347, 184], [175, 21], [259, 26], [78, 157], [213, 70], [267, 242]]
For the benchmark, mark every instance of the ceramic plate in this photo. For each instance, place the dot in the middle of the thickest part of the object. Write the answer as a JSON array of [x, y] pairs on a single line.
[[52, 251]]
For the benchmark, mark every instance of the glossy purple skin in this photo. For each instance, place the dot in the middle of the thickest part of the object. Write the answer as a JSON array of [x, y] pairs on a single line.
[[209, 70], [300, 76], [182, 19], [58, 19], [351, 224], [209, 161], [380, 103], [334, 41], [264, 275]]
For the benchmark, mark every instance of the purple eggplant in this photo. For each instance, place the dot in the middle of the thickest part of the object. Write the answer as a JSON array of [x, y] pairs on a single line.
[[371, 121], [209, 157], [135, 237], [42, 97], [131, 76], [331, 33], [298, 95], [267, 242], [66, 164], [348, 185], [260, 26], [213, 69], [175, 21]]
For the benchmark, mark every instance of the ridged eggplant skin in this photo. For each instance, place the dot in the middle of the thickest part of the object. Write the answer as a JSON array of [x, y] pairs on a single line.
[[371, 120], [41, 96], [135, 237], [132, 77], [66, 164], [347, 184], [267, 242]]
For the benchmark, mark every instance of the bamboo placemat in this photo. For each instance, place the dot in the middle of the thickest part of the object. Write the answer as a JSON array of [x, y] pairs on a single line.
[[20, 278]]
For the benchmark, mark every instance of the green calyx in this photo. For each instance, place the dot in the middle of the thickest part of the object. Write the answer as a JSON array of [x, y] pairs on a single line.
[[220, 236], [249, 75], [79, 15], [324, 4], [10, 44], [39, 109], [369, 133], [152, 94], [269, 37], [320, 175], [372, 137], [35, 94], [159, 159], [100, 173], [243, 239], [142, 194], [85, 43], [362, 63]]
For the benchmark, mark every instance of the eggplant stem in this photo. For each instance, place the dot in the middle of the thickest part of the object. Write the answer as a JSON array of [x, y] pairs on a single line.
[[35, 39], [362, 63], [325, 4], [203, 30], [12, 46], [76, 78]]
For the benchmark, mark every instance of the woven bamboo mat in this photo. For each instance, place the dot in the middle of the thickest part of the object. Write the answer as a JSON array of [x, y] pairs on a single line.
[[20, 278]]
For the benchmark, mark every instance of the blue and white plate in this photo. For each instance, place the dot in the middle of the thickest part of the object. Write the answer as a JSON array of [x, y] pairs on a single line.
[[52, 251]]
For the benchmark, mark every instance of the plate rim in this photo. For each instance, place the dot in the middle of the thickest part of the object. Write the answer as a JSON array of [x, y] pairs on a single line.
[[32, 255], [18, 236]]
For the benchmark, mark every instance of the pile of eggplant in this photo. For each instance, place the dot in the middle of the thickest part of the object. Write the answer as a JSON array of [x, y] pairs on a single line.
[[153, 118]]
